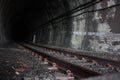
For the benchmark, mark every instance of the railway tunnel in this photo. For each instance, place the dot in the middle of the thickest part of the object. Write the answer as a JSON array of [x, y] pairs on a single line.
[[87, 26]]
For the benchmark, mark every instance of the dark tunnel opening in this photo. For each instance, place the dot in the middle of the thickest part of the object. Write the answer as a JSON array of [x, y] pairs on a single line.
[[88, 26], [22, 26], [73, 24], [20, 34], [27, 15]]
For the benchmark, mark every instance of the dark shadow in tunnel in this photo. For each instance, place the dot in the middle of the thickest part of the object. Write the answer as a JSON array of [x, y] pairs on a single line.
[[24, 16], [25, 13]]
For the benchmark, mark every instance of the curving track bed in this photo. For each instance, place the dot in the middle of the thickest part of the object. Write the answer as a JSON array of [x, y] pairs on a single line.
[[75, 64]]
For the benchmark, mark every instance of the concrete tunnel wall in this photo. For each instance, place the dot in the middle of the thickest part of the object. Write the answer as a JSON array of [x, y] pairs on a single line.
[[2, 31], [4, 21], [95, 28]]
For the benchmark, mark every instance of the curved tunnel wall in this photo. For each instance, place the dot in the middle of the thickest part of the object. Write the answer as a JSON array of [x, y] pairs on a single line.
[[92, 28], [79, 24], [3, 38]]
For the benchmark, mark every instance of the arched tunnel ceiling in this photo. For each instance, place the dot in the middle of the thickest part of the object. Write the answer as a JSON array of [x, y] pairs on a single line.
[[21, 17]]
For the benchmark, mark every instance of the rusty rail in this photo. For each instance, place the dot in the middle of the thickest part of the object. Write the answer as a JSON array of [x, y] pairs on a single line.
[[78, 71], [102, 61]]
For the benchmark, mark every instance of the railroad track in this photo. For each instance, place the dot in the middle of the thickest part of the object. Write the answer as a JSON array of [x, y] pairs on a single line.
[[77, 65]]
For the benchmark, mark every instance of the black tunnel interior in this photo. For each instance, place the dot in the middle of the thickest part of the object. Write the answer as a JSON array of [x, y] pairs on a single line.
[[22, 20], [21, 17], [88, 26], [25, 15]]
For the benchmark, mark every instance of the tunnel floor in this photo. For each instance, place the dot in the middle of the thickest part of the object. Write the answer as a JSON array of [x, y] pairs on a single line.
[[17, 64], [8, 60]]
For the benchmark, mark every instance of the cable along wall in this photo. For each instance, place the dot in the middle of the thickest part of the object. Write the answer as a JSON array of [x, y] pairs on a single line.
[[88, 27]]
